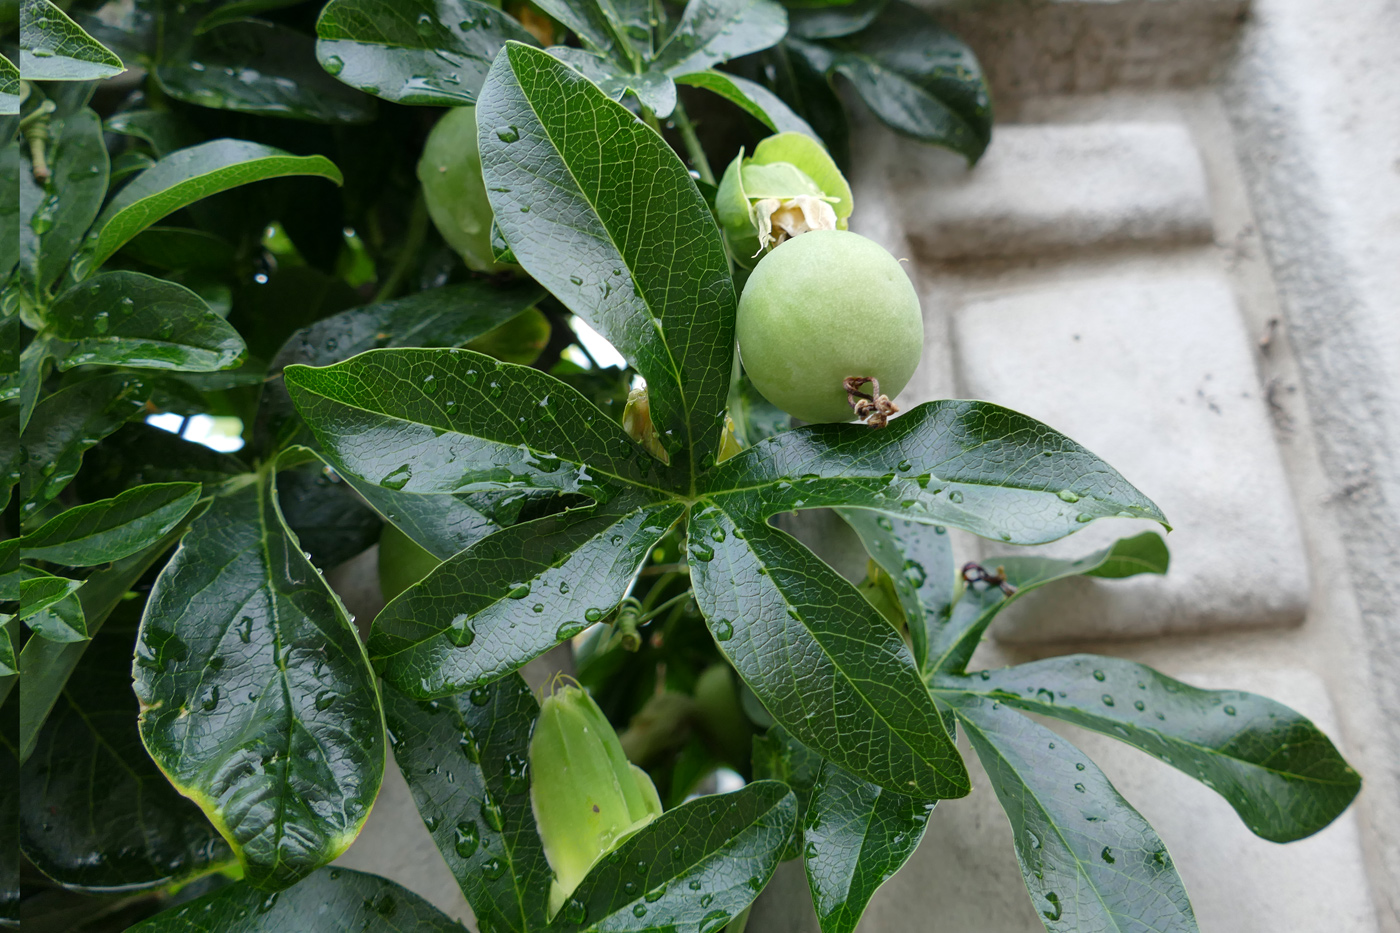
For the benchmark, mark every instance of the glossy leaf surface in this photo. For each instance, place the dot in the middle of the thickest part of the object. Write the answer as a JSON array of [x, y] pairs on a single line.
[[130, 319], [256, 698], [821, 659], [54, 48], [638, 256], [591, 20], [831, 21], [1280, 773], [777, 756], [189, 175], [49, 606], [414, 51], [466, 759], [332, 900], [691, 868], [51, 225], [653, 89], [1089, 860], [952, 642], [97, 814], [714, 31], [11, 167], [753, 98], [857, 836]]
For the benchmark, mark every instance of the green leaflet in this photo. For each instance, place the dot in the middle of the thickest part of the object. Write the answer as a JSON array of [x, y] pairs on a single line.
[[857, 836], [822, 660], [414, 51], [130, 319], [1089, 860], [50, 607], [466, 760], [257, 700], [778, 756], [597, 24], [331, 900], [51, 227], [714, 31], [653, 89], [11, 169], [186, 176], [637, 256], [1280, 773], [754, 99], [54, 48], [96, 813], [726, 845]]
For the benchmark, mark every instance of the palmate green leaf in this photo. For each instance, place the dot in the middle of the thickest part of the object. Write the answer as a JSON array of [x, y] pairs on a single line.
[[130, 319], [714, 31], [1282, 775], [917, 77], [257, 67], [822, 660], [332, 900], [514, 595], [968, 464], [754, 99], [111, 529], [692, 868], [96, 813], [54, 48], [653, 89], [857, 836], [327, 518], [443, 525], [430, 52], [45, 666], [919, 559], [466, 759], [637, 254], [257, 700], [55, 216], [954, 637], [65, 425], [186, 176], [1089, 860]]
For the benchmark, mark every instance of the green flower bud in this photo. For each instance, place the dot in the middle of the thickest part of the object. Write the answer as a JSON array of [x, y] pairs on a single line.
[[788, 187], [454, 191], [586, 795]]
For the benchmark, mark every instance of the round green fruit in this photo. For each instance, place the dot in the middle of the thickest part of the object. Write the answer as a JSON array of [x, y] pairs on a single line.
[[820, 308], [402, 561], [450, 173]]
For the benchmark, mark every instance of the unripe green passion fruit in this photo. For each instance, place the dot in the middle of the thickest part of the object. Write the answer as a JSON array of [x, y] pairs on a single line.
[[823, 307], [453, 189]]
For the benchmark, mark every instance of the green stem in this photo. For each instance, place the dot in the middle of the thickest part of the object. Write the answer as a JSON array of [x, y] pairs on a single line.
[[647, 617], [649, 118], [692, 144], [412, 246]]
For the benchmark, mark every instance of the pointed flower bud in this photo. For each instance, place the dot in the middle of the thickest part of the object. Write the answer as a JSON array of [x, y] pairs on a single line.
[[789, 186], [587, 797]]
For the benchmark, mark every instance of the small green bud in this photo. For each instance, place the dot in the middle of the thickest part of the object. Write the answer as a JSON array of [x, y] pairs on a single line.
[[587, 797], [454, 191], [790, 186]]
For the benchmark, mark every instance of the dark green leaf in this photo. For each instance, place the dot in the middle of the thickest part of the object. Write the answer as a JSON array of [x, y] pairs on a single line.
[[65, 425], [130, 319], [691, 868], [637, 255], [139, 454], [1280, 773], [9, 817], [329, 521], [49, 606], [258, 67], [599, 31], [97, 814], [514, 595], [164, 130], [56, 216], [176, 248], [430, 52], [466, 760], [801, 80], [857, 836], [333, 900], [189, 175], [257, 700], [443, 525], [917, 77], [11, 167], [968, 464], [451, 421], [919, 559], [777, 756], [952, 642], [236, 10], [54, 48], [834, 20], [653, 89], [111, 529], [714, 31], [822, 660], [754, 99], [755, 418], [1089, 860], [45, 666]]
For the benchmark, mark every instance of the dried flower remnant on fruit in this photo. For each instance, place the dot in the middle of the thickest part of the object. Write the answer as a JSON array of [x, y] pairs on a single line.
[[788, 187], [974, 572], [779, 221], [871, 407]]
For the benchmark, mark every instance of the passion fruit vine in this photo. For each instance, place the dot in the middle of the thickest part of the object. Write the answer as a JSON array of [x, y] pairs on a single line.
[[829, 327]]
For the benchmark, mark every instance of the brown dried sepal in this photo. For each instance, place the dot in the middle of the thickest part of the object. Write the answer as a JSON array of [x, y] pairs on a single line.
[[871, 407]]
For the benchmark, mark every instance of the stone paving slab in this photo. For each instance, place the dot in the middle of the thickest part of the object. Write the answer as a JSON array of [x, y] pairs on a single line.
[[1053, 188], [1152, 372]]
